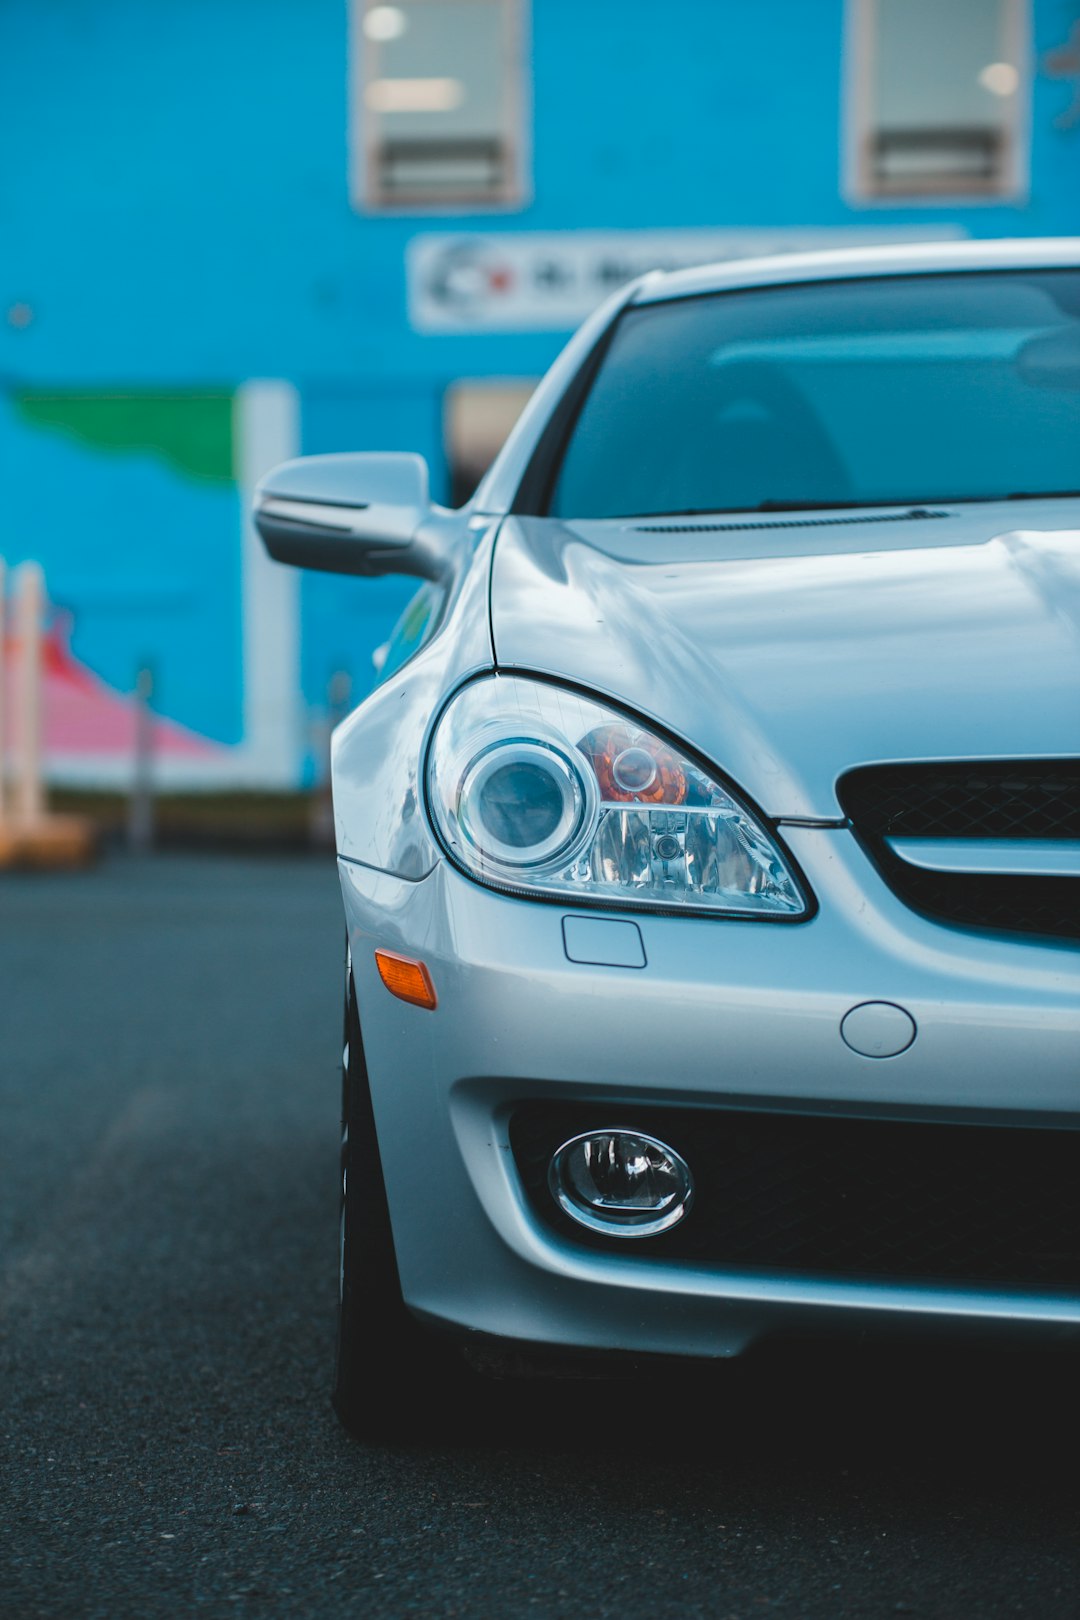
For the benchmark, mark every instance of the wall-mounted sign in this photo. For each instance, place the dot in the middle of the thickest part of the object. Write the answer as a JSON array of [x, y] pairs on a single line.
[[548, 281]]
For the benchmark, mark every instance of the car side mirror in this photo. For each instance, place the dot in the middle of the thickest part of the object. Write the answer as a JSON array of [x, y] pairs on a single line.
[[358, 513]]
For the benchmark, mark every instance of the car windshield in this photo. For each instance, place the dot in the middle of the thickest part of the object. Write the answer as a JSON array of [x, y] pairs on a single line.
[[886, 391]]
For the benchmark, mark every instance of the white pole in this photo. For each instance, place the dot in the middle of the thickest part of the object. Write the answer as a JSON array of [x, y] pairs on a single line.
[[266, 430], [29, 607], [3, 668]]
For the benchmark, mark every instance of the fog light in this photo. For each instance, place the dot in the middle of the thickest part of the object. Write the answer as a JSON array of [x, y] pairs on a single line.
[[621, 1182]]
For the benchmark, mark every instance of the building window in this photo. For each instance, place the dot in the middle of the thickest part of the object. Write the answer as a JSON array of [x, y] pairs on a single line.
[[438, 103], [478, 416], [937, 98]]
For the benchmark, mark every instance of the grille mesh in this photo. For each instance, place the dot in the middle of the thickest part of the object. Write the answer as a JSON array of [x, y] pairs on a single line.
[[872, 1199], [1021, 799]]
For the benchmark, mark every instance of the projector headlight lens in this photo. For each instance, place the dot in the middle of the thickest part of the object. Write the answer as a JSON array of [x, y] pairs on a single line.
[[522, 802], [539, 790]]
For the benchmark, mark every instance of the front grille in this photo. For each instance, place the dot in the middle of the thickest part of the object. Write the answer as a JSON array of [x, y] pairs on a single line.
[[843, 1198], [998, 799], [1021, 799]]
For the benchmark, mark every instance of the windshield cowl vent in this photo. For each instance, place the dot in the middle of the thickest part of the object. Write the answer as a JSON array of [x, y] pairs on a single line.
[[916, 514]]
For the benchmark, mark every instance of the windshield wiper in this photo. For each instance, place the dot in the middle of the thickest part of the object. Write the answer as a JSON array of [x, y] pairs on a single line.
[[829, 506], [1044, 495], [769, 506], [913, 507]]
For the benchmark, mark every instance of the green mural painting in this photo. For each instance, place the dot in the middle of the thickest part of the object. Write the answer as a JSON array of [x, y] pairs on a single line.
[[192, 431]]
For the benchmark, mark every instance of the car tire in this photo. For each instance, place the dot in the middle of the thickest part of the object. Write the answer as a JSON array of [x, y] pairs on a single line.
[[393, 1380]]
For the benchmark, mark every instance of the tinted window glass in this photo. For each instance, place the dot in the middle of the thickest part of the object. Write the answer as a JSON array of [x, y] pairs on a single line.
[[885, 391], [414, 629]]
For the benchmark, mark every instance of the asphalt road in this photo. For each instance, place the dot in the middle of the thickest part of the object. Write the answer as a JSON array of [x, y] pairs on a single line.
[[168, 1237]]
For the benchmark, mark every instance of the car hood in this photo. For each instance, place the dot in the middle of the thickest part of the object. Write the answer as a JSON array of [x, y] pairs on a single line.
[[789, 650]]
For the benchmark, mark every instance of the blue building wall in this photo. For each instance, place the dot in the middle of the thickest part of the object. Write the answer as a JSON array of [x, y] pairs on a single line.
[[175, 213]]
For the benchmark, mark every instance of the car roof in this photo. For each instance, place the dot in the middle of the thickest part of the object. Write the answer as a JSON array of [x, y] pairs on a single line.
[[1033, 253]]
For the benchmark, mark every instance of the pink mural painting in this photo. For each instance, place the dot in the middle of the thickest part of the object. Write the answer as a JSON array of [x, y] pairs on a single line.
[[84, 717]]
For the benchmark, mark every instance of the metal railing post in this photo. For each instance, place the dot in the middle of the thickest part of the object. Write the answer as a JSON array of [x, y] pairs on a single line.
[[3, 688], [141, 804], [29, 608]]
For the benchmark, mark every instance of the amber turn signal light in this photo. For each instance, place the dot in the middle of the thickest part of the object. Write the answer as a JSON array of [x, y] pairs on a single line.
[[406, 979]]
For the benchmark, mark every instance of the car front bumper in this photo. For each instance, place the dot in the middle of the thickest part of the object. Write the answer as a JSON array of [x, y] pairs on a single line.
[[724, 1014]]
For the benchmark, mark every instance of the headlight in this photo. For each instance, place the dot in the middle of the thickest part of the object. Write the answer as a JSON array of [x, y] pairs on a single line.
[[537, 790]]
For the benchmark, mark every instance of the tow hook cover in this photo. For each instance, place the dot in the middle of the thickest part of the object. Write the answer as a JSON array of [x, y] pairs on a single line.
[[878, 1029]]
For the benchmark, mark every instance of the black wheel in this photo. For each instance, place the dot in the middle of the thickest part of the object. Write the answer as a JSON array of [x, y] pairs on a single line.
[[393, 1379]]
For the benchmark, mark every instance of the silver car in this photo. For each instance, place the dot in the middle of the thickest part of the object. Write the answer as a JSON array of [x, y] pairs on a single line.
[[710, 847]]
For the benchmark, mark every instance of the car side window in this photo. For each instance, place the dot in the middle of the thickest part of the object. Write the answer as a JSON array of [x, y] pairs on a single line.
[[414, 629]]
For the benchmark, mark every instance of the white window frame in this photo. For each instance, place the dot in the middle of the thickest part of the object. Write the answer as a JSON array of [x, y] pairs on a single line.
[[364, 188], [857, 183]]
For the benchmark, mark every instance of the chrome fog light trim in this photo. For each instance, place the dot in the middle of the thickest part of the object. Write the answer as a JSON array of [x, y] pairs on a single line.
[[621, 1182]]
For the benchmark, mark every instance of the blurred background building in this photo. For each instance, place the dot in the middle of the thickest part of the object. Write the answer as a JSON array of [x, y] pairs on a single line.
[[232, 231]]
